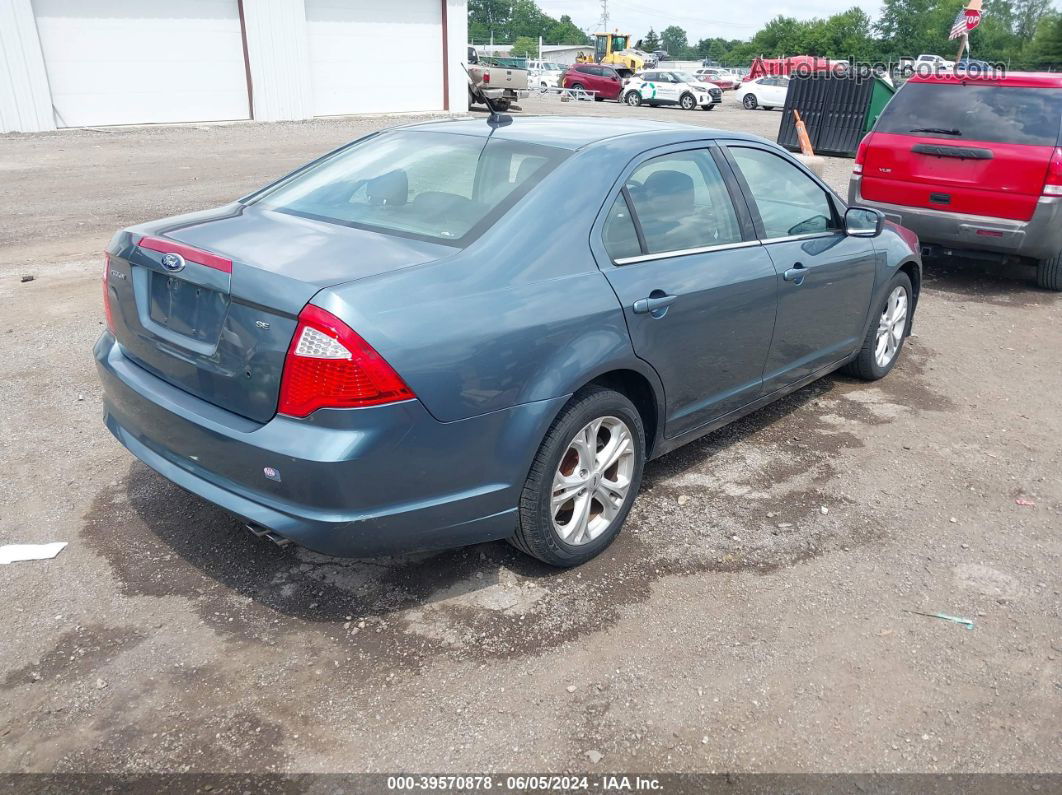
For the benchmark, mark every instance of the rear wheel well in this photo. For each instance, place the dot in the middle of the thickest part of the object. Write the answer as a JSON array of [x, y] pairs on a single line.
[[639, 391], [911, 269]]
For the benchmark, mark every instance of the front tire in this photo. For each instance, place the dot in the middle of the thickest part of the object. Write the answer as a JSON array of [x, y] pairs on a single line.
[[584, 479], [749, 102], [634, 99], [1049, 273], [710, 107], [688, 102], [888, 329]]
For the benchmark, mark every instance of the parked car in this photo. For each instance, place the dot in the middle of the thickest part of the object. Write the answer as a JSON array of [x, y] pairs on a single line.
[[497, 87], [544, 74], [973, 166], [605, 80], [355, 359], [936, 61], [671, 88], [765, 92], [719, 77]]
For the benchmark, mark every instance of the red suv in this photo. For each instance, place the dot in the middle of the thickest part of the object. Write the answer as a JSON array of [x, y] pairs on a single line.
[[973, 165], [605, 80]]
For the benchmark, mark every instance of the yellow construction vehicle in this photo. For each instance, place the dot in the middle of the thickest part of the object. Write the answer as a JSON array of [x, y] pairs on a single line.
[[615, 49]]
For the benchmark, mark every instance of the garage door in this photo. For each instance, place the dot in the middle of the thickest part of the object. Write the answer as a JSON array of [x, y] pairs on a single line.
[[368, 56], [133, 62]]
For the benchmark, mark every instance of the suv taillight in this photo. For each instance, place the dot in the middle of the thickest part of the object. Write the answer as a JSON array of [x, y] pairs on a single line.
[[330, 366], [1053, 182], [107, 292], [861, 154]]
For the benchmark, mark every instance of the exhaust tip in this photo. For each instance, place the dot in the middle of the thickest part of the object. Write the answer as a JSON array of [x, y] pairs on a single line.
[[265, 532]]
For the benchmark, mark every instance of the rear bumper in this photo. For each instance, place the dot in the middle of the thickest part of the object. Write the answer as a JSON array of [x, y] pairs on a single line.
[[1038, 238], [353, 482]]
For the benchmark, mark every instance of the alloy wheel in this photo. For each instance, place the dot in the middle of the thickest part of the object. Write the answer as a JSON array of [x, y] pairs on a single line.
[[592, 481], [891, 327]]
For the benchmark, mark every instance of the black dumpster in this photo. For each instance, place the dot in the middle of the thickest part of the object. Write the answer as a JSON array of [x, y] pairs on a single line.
[[838, 111]]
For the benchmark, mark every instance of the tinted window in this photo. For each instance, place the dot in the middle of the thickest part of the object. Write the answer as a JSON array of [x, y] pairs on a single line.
[[998, 114], [789, 201], [620, 236], [682, 202], [436, 186], [584, 69]]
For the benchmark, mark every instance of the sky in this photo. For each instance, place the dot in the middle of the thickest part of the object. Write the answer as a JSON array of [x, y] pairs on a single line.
[[729, 20]]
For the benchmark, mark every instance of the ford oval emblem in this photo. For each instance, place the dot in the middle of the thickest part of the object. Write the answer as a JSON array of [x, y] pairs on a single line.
[[173, 262]]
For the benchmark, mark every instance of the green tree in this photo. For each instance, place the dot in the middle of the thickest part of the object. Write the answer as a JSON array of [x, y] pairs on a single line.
[[651, 41], [673, 39], [1027, 16], [912, 27], [1046, 46], [524, 47], [564, 31]]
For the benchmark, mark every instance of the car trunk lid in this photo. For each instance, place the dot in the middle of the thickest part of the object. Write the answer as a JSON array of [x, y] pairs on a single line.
[[210, 304]]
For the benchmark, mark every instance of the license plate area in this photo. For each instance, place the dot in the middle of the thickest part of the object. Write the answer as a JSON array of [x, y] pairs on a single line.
[[186, 308]]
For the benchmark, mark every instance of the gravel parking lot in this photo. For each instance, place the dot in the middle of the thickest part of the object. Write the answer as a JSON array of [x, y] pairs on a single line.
[[753, 615]]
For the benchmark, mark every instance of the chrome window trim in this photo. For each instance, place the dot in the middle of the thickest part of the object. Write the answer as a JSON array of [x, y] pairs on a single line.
[[808, 236], [686, 252]]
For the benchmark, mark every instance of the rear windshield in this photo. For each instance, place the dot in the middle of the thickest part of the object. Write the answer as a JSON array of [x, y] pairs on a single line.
[[440, 187], [998, 114]]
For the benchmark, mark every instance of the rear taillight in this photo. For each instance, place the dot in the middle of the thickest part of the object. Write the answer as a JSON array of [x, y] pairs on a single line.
[[486, 77], [1053, 183], [861, 154], [329, 366], [107, 292]]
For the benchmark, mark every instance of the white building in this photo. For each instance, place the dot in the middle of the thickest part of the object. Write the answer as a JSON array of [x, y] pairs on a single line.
[[79, 63], [566, 53]]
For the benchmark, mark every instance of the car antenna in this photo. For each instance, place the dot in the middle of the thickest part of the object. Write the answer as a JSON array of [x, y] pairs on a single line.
[[497, 118]]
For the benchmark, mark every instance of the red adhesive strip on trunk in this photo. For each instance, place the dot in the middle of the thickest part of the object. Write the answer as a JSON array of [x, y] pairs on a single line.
[[190, 253]]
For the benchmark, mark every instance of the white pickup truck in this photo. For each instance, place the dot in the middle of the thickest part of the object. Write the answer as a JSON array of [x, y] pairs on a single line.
[[499, 84]]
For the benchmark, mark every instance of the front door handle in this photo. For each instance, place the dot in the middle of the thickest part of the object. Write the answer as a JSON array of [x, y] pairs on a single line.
[[656, 304], [796, 274]]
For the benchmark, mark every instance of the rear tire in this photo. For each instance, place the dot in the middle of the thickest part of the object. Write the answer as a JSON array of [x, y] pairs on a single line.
[[749, 102], [1049, 273], [563, 455], [578, 87], [869, 365], [634, 99]]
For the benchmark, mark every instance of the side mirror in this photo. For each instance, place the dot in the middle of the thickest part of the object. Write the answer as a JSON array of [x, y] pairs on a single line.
[[863, 222]]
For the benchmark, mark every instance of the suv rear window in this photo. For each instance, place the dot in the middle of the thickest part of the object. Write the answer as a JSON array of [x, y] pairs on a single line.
[[991, 113], [440, 187]]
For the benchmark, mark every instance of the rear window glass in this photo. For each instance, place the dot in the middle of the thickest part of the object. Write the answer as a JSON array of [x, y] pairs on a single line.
[[997, 114], [433, 186]]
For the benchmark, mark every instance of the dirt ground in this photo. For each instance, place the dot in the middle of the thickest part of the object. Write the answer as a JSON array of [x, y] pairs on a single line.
[[753, 615]]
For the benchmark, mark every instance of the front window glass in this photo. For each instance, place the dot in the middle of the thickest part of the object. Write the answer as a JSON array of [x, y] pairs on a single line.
[[789, 201], [995, 114], [682, 203], [437, 186]]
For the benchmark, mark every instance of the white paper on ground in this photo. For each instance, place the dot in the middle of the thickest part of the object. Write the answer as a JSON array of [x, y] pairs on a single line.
[[12, 553]]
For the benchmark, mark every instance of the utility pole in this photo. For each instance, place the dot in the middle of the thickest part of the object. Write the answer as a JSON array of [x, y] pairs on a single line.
[[604, 15]]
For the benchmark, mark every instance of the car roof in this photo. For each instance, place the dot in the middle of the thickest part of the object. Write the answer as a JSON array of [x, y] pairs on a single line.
[[568, 132], [1017, 79]]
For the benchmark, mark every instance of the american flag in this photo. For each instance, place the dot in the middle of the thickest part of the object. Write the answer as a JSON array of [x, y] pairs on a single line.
[[958, 27]]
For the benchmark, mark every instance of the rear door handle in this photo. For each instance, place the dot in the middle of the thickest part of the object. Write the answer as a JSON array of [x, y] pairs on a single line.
[[796, 274], [656, 304]]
